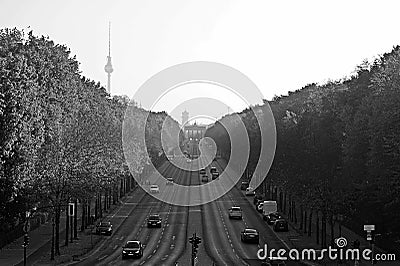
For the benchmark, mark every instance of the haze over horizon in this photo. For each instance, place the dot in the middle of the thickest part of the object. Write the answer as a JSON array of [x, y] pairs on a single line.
[[281, 46]]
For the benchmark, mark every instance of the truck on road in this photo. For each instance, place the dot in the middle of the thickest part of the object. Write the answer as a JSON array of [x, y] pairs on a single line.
[[269, 206]]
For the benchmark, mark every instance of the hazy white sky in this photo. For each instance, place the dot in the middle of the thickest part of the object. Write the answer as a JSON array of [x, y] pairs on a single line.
[[280, 45]]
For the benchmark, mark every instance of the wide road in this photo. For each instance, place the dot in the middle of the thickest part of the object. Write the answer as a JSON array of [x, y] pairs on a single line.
[[168, 245]]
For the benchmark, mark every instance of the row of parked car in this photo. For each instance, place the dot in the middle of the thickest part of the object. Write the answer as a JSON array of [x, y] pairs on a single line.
[[273, 218], [270, 215]]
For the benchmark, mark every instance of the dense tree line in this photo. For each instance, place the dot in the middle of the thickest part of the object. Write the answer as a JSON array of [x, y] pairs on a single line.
[[338, 149], [61, 134]]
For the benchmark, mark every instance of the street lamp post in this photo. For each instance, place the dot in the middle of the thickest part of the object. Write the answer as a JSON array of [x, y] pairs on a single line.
[[52, 239], [340, 220], [26, 228]]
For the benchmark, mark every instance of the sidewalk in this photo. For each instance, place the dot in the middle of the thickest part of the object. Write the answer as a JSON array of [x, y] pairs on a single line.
[[302, 241], [310, 241], [40, 240], [13, 253]]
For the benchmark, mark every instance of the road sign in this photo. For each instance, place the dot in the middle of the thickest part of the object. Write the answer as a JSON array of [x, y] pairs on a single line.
[[369, 227], [71, 209], [27, 227]]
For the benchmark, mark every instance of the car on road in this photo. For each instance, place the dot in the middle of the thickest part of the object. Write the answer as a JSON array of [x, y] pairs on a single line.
[[250, 235], [213, 169], [272, 217], [281, 225], [104, 228], [260, 206], [204, 178], [188, 160], [235, 212], [215, 175], [154, 189], [202, 171], [257, 199], [154, 220], [250, 191], [273, 261], [133, 248], [244, 185], [170, 181]]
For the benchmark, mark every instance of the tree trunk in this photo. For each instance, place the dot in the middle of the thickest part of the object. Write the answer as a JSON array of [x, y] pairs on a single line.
[[323, 230], [317, 227], [105, 200], [305, 221], [83, 215], [113, 194], [125, 185], [332, 224], [100, 207], [310, 222], [121, 188], [76, 220], [57, 242], [96, 206], [116, 194], [109, 198], [301, 217], [88, 221], [295, 212], [285, 203], [66, 227]]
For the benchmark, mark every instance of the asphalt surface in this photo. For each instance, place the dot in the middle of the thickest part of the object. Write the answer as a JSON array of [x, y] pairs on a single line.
[[168, 245]]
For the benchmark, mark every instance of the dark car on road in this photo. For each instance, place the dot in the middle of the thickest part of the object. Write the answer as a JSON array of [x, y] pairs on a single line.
[[250, 235], [154, 221], [202, 171], [204, 179], [104, 228], [281, 225], [272, 217], [257, 199], [214, 175], [132, 249], [213, 169], [244, 185]]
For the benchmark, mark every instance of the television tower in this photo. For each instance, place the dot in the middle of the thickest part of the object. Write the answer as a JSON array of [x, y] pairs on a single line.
[[108, 67]]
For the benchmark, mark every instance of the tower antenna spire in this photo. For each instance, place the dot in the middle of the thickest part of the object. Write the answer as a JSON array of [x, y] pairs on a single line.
[[108, 67], [109, 38]]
